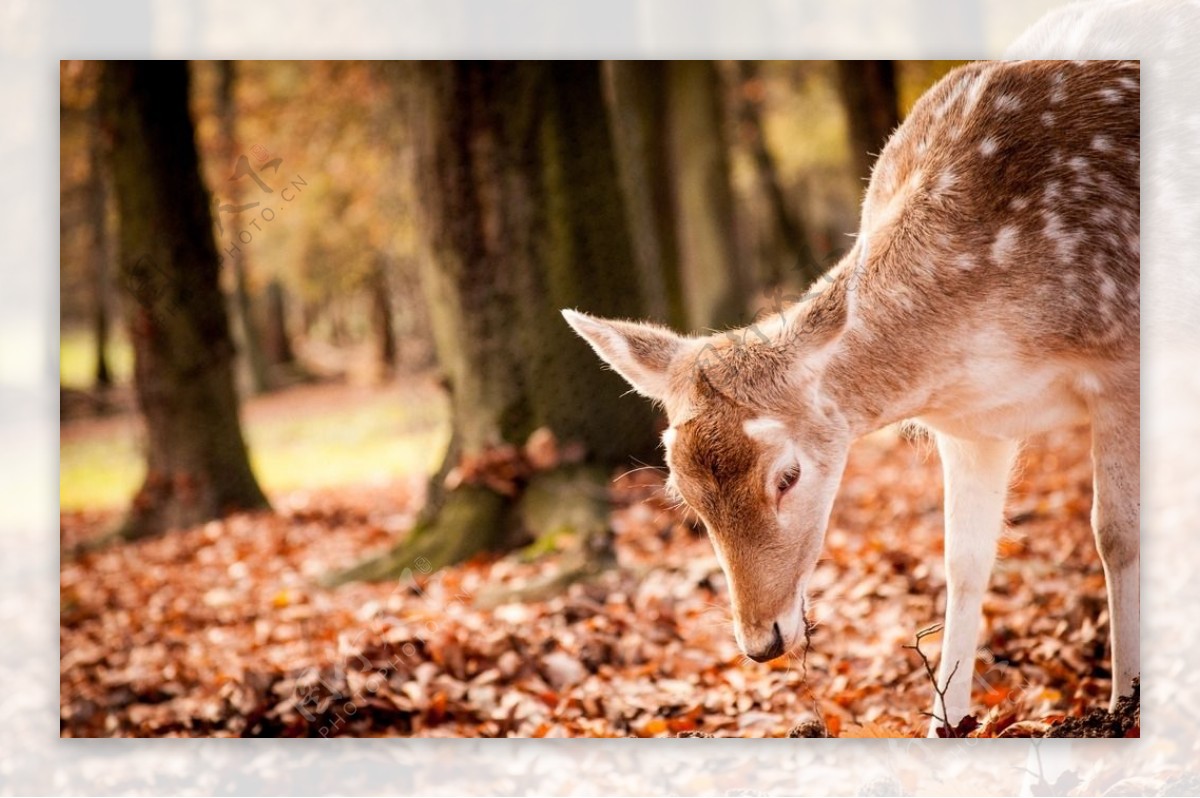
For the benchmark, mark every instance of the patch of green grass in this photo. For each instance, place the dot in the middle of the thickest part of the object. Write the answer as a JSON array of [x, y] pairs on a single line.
[[369, 437], [77, 359], [100, 472], [378, 440]]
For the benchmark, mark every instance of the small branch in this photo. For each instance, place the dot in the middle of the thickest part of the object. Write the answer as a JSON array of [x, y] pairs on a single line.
[[929, 671]]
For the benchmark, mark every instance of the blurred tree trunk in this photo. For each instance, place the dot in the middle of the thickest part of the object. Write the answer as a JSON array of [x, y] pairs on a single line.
[[788, 224], [868, 90], [278, 344], [638, 110], [197, 468], [523, 215], [381, 319], [713, 284], [101, 251], [247, 332]]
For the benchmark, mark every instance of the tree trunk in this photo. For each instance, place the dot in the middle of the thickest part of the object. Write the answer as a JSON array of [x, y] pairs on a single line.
[[869, 94], [381, 320], [714, 287], [278, 347], [197, 468], [247, 337], [101, 251], [524, 217], [788, 224], [638, 111]]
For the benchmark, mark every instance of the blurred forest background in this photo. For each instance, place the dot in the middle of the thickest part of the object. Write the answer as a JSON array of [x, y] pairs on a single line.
[[691, 193], [310, 338]]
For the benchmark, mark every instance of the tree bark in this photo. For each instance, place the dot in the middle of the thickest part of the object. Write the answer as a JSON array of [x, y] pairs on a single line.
[[278, 347], [197, 467], [381, 319], [523, 215], [258, 378], [98, 201], [787, 223], [872, 105], [638, 111], [713, 284]]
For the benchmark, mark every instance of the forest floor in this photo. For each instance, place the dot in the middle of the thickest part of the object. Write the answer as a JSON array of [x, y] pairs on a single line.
[[223, 629]]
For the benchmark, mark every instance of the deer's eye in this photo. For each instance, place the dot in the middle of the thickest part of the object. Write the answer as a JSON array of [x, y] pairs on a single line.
[[788, 478]]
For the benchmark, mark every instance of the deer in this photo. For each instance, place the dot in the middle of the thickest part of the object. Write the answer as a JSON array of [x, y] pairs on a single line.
[[991, 294]]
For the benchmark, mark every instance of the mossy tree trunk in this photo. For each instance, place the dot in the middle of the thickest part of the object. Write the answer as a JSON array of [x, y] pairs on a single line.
[[523, 216], [197, 467]]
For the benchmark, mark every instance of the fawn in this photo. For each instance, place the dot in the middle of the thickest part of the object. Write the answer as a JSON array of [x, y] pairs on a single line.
[[992, 293]]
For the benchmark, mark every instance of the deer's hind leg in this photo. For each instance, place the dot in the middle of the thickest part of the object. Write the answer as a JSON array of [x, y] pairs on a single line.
[[1116, 511]]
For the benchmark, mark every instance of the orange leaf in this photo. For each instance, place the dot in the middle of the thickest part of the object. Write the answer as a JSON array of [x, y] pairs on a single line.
[[871, 730], [653, 727], [833, 724], [995, 696]]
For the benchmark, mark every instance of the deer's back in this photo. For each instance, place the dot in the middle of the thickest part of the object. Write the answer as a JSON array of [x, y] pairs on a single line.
[[1012, 190]]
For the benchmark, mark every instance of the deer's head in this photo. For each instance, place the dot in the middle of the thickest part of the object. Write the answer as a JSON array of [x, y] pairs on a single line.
[[754, 448]]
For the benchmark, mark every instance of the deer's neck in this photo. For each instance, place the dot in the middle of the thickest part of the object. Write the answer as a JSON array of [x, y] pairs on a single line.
[[894, 359]]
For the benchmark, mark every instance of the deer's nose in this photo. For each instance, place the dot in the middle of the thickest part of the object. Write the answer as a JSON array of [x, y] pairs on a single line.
[[772, 650]]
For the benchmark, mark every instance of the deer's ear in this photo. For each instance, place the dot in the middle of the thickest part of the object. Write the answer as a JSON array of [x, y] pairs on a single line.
[[641, 353]]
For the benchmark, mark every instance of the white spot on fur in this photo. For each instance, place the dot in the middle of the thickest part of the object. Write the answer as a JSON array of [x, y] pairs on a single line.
[[1101, 143], [975, 91], [1064, 241], [1108, 286], [987, 147], [1003, 244], [764, 428], [965, 262], [945, 182], [1129, 84], [952, 96], [1109, 96], [1047, 119], [1088, 383], [1057, 94], [1007, 102], [1082, 169], [1019, 203]]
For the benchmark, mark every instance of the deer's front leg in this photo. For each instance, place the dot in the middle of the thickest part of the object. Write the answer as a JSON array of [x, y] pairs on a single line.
[[975, 474]]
